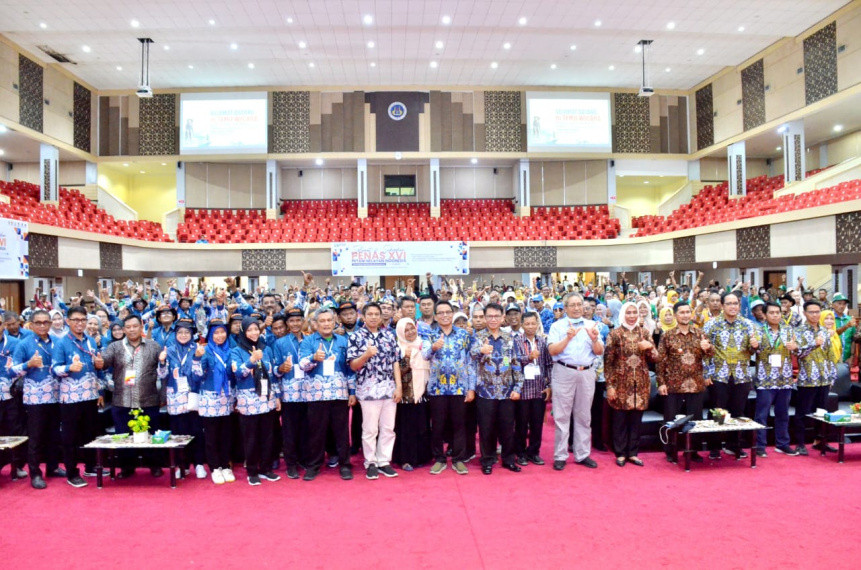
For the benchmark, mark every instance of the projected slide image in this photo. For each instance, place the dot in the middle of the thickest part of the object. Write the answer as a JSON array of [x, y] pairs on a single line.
[[568, 124], [223, 124]]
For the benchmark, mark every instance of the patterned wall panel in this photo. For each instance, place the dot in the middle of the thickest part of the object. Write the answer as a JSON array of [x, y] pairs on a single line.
[[685, 249], [82, 108], [543, 257], [705, 117], [631, 131], [753, 243], [820, 64], [264, 260], [753, 95], [158, 130], [47, 183], [796, 149], [110, 256], [503, 129], [44, 252], [848, 233], [291, 122], [30, 93]]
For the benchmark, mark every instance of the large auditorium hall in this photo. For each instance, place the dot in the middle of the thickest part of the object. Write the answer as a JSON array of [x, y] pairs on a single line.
[[430, 283]]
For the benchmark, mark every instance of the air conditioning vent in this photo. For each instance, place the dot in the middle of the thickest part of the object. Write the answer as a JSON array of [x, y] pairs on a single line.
[[56, 55]]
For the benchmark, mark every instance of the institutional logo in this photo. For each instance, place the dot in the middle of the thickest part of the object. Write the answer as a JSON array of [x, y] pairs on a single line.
[[397, 111]]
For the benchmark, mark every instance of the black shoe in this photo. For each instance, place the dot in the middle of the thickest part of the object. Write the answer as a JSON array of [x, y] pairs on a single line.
[[696, 458], [354, 451], [588, 462], [91, 471], [126, 473], [37, 482], [292, 472], [760, 452], [346, 472], [535, 460], [58, 472], [77, 481], [786, 450], [388, 471], [620, 461], [741, 454], [270, 476], [714, 455], [521, 460], [18, 473], [672, 458], [310, 475], [372, 473], [512, 467], [253, 480], [801, 450], [156, 471], [825, 447], [558, 465], [599, 447], [487, 469]]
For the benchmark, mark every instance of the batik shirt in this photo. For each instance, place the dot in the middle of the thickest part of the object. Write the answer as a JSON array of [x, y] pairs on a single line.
[[7, 349], [215, 401], [293, 382], [451, 369], [248, 401], [680, 361], [376, 379], [774, 360], [40, 386], [319, 387], [533, 388], [499, 373], [76, 386], [731, 346], [176, 372], [815, 368]]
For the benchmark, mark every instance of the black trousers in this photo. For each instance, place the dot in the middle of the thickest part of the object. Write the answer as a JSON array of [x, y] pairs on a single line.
[[12, 423], [277, 438], [470, 425], [78, 423], [598, 405], [356, 429], [452, 409], [43, 429], [294, 433], [733, 398], [217, 434], [528, 426], [626, 432], [688, 404], [257, 442], [412, 435], [189, 424], [496, 422], [808, 400], [322, 415]]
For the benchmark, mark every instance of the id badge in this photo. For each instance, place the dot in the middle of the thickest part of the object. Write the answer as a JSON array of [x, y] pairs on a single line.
[[329, 367], [264, 388], [506, 361], [531, 371], [775, 360], [298, 373], [130, 378], [182, 384]]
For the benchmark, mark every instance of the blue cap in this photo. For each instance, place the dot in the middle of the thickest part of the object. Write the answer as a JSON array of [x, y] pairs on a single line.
[[558, 305], [513, 307], [537, 298]]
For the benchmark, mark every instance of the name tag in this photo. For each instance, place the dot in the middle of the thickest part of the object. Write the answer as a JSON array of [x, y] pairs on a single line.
[[182, 384], [130, 378], [505, 361], [775, 360], [298, 373], [531, 371], [329, 367], [264, 388]]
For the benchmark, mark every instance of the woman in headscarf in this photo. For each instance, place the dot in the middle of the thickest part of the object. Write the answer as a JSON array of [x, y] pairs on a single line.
[[175, 371], [666, 322], [115, 333], [645, 312], [412, 437], [215, 386], [235, 328], [257, 394], [628, 384], [58, 324], [828, 322], [94, 329]]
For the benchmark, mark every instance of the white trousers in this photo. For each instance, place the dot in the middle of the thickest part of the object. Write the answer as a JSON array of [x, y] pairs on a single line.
[[378, 431]]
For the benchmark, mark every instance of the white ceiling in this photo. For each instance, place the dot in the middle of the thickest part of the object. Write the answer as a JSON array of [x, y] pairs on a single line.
[[404, 33]]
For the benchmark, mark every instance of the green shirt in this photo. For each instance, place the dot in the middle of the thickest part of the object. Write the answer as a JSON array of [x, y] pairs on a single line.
[[846, 337]]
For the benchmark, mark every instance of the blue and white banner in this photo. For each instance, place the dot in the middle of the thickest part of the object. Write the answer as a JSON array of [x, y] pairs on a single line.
[[14, 249], [400, 258]]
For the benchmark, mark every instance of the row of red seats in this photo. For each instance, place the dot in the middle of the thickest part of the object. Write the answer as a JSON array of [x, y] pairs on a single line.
[[75, 212]]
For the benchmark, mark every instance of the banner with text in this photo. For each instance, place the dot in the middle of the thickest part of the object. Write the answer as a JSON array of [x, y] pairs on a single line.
[[400, 258], [14, 249]]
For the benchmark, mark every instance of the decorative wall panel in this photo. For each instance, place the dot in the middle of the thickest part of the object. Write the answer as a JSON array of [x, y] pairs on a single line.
[[631, 131], [820, 64], [30, 93], [753, 243], [452, 121], [684, 249], [44, 252], [502, 119], [537, 257], [158, 130], [848, 233], [753, 95], [82, 109], [705, 117], [110, 256], [291, 122], [264, 260]]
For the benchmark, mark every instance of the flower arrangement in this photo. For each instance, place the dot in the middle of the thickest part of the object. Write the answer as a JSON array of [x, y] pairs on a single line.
[[139, 422], [856, 408], [718, 415]]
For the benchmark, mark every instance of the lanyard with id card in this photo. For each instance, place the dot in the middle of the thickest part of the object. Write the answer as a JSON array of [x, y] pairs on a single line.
[[329, 362]]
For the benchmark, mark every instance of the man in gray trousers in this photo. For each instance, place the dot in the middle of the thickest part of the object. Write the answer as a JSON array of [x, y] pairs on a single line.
[[575, 345]]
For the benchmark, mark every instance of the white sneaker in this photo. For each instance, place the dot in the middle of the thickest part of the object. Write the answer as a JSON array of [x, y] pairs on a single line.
[[200, 471], [178, 472], [228, 475], [217, 477]]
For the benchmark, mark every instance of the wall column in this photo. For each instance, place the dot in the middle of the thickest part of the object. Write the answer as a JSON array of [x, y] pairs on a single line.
[[49, 170], [273, 186], [362, 187], [180, 186], [793, 152], [611, 187], [523, 199], [434, 188], [736, 170]]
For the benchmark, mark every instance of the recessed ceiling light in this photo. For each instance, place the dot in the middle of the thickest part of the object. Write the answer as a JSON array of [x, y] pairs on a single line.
[[302, 45], [572, 47], [367, 19], [473, 160], [597, 23], [701, 51], [552, 66], [164, 164], [3, 128], [493, 65], [506, 45], [612, 67], [741, 28], [838, 128], [212, 22], [779, 148], [439, 44], [371, 44], [782, 129], [373, 64], [319, 162], [234, 46], [86, 49], [289, 20], [671, 25], [2, 152], [250, 66], [667, 69], [621, 176], [446, 20], [135, 24], [522, 21], [191, 67], [166, 48], [119, 68], [638, 48], [125, 164], [645, 181], [143, 171], [43, 25], [434, 64], [311, 64]]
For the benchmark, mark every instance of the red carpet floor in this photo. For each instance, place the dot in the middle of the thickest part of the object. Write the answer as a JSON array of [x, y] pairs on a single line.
[[789, 512]]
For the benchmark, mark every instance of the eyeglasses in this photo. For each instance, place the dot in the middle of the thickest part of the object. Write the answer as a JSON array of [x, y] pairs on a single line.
[[41, 323], [492, 317], [444, 313], [77, 320]]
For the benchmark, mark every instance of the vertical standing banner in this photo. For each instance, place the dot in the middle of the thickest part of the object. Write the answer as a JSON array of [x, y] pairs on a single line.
[[400, 258], [14, 249]]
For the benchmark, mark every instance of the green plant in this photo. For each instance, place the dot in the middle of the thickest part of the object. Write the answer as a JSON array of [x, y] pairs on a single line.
[[139, 422]]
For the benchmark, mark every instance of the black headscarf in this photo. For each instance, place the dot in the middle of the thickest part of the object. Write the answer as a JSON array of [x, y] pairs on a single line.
[[260, 372]]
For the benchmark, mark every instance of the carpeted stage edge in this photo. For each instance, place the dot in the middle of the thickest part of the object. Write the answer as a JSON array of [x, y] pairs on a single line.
[[789, 512]]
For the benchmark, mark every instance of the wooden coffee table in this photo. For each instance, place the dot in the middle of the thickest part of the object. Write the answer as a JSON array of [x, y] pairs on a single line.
[[108, 443], [853, 424], [704, 427]]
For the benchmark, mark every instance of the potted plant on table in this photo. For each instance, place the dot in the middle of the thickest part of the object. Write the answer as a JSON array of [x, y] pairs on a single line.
[[719, 415], [139, 424]]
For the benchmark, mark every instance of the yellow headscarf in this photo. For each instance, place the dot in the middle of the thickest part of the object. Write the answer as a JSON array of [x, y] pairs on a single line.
[[836, 343], [665, 327], [672, 297]]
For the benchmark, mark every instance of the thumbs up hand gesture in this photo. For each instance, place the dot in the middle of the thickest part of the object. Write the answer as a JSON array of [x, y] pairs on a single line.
[[162, 355], [256, 355], [98, 361], [287, 365], [320, 355], [35, 362], [440, 342], [371, 351], [76, 365], [200, 350], [486, 348]]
